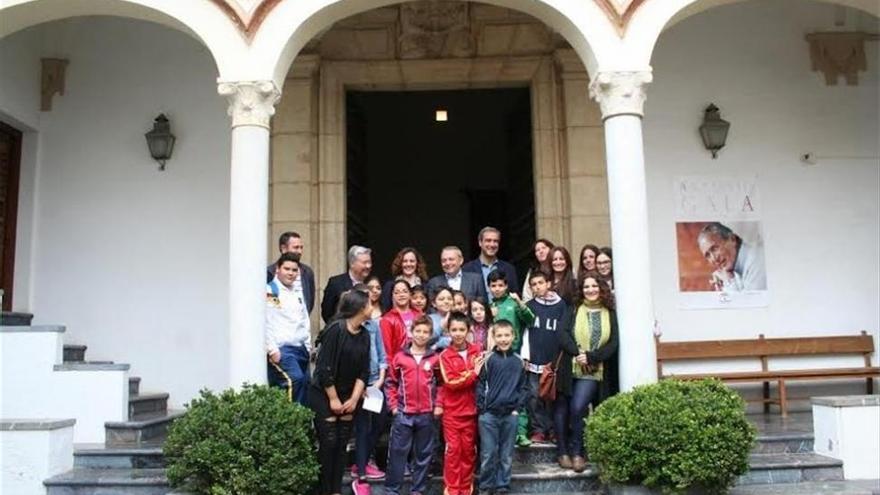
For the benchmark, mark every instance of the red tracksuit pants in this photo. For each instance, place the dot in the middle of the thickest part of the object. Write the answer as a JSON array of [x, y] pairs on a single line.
[[460, 433]]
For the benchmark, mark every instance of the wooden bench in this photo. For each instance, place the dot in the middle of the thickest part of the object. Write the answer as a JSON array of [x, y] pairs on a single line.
[[763, 349]]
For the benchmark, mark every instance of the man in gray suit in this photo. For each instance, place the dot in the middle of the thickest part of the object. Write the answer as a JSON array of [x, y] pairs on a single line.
[[471, 284]]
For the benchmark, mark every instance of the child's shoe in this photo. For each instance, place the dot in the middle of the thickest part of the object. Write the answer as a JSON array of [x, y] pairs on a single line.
[[538, 437], [579, 464], [371, 472], [522, 441], [564, 462], [360, 488]]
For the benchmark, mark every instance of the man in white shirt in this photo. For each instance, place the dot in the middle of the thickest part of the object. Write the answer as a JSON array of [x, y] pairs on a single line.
[[287, 330], [739, 266]]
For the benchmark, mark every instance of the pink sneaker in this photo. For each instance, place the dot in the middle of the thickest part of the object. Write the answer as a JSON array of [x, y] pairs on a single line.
[[360, 488], [373, 472]]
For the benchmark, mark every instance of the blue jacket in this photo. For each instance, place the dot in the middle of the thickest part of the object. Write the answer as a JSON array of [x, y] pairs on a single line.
[[502, 386], [475, 266], [378, 360]]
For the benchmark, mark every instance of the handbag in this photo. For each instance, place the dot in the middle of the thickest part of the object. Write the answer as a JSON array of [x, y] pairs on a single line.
[[547, 381]]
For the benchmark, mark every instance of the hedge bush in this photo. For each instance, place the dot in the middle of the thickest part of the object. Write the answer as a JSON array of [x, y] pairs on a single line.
[[253, 441], [672, 435]]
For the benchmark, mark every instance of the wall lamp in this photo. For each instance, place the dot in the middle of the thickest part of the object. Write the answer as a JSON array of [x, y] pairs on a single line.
[[160, 141], [713, 130]]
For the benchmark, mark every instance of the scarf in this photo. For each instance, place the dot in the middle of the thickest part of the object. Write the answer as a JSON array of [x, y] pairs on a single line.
[[592, 329]]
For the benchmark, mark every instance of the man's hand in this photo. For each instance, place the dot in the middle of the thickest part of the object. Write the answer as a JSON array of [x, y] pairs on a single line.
[[275, 356]]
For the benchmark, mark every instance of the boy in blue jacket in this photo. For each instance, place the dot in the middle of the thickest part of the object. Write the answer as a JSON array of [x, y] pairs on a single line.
[[501, 393]]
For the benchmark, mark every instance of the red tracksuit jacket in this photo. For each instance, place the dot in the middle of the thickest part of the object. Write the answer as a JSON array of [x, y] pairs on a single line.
[[411, 385], [394, 332], [458, 396]]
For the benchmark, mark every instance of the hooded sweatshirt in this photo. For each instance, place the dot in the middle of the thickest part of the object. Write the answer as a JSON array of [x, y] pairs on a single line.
[[552, 315]]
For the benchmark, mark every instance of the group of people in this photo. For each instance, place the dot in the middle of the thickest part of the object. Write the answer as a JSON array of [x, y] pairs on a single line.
[[467, 352]]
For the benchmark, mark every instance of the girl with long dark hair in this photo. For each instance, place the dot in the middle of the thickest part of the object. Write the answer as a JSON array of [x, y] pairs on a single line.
[[562, 280], [540, 261]]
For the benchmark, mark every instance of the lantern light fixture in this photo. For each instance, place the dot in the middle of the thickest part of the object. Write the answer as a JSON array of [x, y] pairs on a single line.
[[160, 141], [441, 115], [714, 130]]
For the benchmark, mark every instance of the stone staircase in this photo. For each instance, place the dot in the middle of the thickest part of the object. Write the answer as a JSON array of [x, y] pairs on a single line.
[[130, 461]]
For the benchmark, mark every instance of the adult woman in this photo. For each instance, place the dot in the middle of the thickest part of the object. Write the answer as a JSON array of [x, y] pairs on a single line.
[[342, 370], [541, 261], [562, 274], [397, 322], [407, 265], [582, 374], [603, 266], [587, 259], [369, 425]]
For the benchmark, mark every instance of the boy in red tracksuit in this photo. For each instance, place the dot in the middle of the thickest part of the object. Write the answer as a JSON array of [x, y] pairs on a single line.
[[460, 365], [411, 392]]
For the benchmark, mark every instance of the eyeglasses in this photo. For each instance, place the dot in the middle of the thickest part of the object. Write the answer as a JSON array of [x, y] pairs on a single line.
[[607, 262]]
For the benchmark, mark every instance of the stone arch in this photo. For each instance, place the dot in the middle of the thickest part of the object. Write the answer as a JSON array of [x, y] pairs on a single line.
[[652, 18], [202, 21], [290, 25]]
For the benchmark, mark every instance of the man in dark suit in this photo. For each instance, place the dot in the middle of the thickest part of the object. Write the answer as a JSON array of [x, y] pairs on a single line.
[[360, 263], [291, 242], [489, 241], [455, 278]]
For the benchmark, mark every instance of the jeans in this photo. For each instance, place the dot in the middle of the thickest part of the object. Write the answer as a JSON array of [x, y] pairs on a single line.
[[539, 410], [291, 372], [368, 426], [497, 435], [569, 414], [410, 432], [332, 439]]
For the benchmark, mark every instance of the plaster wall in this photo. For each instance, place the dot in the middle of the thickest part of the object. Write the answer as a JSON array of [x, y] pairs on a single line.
[[31, 456], [133, 260], [820, 222]]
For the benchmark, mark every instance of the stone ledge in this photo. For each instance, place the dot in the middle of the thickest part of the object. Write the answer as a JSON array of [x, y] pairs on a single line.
[[35, 424], [847, 401], [33, 329], [92, 367]]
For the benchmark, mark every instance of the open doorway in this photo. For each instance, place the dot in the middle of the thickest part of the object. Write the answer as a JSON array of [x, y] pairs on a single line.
[[10, 162], [416, 181]]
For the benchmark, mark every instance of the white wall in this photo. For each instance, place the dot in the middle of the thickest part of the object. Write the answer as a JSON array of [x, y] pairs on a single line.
[[821, 223], [132, 260]]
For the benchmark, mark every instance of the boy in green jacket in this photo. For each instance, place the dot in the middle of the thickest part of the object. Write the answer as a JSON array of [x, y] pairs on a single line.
[[509, 307]]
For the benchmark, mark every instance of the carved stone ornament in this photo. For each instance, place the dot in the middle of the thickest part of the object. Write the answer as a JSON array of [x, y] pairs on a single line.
[[838, 54], [435, 29], [51, 81], [250, 102], [248, 15], [620, 93], [619, 11]]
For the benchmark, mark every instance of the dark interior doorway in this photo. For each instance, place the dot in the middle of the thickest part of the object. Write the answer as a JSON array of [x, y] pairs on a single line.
[[413, 181], [10, 165]]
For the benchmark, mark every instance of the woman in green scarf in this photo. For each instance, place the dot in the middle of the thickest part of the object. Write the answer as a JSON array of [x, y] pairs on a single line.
[[583, 373]]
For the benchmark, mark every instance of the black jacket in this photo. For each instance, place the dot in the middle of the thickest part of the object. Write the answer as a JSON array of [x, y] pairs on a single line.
[[603, 355], [502, 386], [336, 285], [550, 320], [308, 282]]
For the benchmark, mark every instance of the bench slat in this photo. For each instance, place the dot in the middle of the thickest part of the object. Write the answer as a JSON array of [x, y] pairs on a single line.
[[709, 349], [787, 374]]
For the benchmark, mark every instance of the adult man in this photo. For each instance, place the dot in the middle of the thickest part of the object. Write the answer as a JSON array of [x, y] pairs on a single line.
[[455, 278], [360, 263], [489, 241], [287, 330], [738, 265], [291, 242]]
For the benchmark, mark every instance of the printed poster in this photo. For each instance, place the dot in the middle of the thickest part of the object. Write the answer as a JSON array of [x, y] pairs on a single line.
[[720, 245]]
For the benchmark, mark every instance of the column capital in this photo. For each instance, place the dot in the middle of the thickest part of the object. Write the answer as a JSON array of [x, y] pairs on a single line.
[[620, 92], [251, 103]]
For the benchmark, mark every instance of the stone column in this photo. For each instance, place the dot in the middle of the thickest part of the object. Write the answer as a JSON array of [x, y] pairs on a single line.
[[621, 96], [251, 105]]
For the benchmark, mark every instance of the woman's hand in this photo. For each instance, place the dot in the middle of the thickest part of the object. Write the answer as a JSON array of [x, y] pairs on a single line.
[[581, 359], [378, 383], [336, 406], [349, 405]]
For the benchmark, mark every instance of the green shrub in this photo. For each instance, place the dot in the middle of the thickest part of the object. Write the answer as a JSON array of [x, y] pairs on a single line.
[[253, 441], [672, 435]]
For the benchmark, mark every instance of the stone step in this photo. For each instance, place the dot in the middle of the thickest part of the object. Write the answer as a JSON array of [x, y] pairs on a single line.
[[134, 385], [791, 468], [147, 405], [101, 456], [140, 431], [15, 319], [84, 481], [792, 443], [526, 478], [74, 353]]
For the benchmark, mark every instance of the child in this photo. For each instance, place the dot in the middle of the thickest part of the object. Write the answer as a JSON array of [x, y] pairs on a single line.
[[410, 392], [552, 315], [481, 319], [500, 395], [419, 299], [443, 301], [460, 366], [396, 324], [508, 306], [459, 301]]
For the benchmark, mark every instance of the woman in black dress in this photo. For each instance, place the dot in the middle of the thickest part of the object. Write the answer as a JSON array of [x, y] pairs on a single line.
[[341, 373]]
